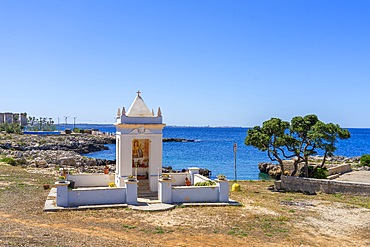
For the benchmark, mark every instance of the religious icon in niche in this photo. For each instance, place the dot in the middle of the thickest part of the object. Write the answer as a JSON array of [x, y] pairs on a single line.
[[140, 153], [137, 151]]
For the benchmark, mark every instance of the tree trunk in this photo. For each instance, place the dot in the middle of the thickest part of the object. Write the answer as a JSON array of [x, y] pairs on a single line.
[[295, 164], [306, 168]]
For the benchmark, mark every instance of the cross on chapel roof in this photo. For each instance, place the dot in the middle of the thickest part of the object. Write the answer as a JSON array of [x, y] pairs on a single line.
[[139, 108]]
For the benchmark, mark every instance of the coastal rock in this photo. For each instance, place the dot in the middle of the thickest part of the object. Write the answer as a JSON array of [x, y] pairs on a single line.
[[65, 161], [41, 163], [271, 169], [203, 172], [177, 140]]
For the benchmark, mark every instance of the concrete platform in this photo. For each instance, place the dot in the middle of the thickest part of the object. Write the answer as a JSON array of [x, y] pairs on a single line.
[[51, 206], [144, 204], [211, 204], [355, 176], [152, 207]]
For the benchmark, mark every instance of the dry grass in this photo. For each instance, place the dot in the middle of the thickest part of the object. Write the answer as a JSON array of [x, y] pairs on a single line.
[[262, 220]]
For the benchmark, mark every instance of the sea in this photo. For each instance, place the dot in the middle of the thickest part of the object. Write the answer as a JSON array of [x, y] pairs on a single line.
[[213, 149]]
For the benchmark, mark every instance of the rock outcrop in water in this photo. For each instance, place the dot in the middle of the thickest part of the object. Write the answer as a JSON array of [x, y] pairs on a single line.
[[203, 172], [177, 140]]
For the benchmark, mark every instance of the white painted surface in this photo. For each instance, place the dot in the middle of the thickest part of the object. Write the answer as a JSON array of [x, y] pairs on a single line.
[[180, 194], [131, 193], [223, 186], [195, 194], [91, 180], [200, 178], [193, 171], [138, 108], [96, 196], [62, 194], [178, 179], [165, 191]]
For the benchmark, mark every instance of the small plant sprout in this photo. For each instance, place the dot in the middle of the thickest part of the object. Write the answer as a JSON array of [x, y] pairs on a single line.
[[112, 184]]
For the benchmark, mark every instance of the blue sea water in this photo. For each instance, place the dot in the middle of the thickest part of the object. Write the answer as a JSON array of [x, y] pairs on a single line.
[[213, 149]]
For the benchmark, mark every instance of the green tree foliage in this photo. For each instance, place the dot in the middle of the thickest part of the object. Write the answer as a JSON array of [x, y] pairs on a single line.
[[365, 160], [297, 140], [40, 124]]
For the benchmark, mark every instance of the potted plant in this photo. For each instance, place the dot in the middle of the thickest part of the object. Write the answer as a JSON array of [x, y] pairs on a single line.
[[131, 178], [166, 176], [62, 179], [221, 177], [112, 184]]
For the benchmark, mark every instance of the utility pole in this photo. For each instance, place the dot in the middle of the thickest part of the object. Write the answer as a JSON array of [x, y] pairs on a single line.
[[74, 122], [235, 147], [66, 118], [235, 186]]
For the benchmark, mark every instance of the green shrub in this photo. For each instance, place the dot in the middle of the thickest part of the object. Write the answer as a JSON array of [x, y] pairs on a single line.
[[315, 172], [206, 183], [365, 160], [320, 173], [11, 128], [8, 160]]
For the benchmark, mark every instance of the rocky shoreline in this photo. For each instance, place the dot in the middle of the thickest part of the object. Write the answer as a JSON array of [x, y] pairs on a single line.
[[63, 151], [56, 151]]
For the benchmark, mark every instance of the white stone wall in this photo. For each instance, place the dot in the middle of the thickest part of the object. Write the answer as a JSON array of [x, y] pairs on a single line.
[[195, 194], [312, 185], [96, 196], [178, 179], [91, 180]]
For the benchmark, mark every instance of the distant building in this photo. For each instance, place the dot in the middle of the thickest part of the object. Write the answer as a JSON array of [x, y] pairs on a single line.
[[23, 120], [8, 117], [17, 118]]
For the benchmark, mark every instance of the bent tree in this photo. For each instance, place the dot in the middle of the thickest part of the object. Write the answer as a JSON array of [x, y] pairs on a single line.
[[297, 140]]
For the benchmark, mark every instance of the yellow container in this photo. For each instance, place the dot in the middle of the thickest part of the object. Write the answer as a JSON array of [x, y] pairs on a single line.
[[235, 187]]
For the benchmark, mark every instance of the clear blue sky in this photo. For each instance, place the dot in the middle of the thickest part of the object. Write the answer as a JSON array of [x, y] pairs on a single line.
[[217, 63]]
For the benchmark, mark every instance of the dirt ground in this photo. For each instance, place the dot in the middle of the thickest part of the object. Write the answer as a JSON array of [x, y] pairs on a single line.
[[266, 218]]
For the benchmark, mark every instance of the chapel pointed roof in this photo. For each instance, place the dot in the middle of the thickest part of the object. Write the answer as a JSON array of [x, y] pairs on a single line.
[[138, 108]]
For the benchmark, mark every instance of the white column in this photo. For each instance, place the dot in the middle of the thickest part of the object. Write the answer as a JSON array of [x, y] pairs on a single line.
[[131, 192], [223, 190], [155, 160], [118, 154], [126, 156], [165, 191], [192, 171], [62, 193]]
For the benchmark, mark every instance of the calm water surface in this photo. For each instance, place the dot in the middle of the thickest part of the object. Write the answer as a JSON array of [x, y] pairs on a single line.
[[213, 149]]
